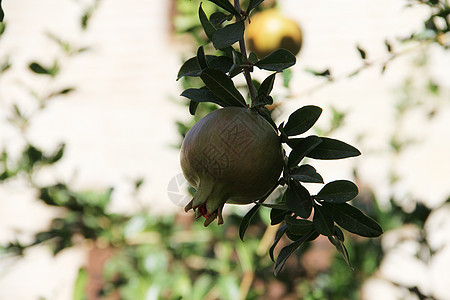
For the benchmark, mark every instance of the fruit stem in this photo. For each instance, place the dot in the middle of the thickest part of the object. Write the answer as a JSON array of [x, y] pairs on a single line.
[[248, 77]]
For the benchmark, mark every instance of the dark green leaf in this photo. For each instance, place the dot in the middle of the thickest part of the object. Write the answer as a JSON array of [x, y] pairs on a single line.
[[252, 5], [218, 18], [228, 35], [323, 221], [353, 220], [338, 191], [388, 46], [302, 120], [305, 173], [193, 107], [340, 247], [201, 58], [2, 14], [252, 57], [37, 68], [326, 73], [266, 86], [333, 149], [302, 147], [203, 95], [57, 155], [277, 61], [246, 221], [277, 215], [191, 67], [225, 4], [298, 199], [222, 86], [208, 27], [287, 251], [338, 233], [361, 52], [295, 237], [282, 205], [280, 232], [298, 226]]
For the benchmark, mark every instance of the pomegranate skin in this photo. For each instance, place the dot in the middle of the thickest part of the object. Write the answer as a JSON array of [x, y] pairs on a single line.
[[232, 155]]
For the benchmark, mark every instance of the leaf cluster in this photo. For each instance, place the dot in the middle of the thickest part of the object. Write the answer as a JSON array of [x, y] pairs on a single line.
[[303, 216]]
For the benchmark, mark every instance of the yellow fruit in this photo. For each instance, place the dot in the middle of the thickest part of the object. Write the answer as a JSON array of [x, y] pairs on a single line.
[[269, 30], [232, 155]]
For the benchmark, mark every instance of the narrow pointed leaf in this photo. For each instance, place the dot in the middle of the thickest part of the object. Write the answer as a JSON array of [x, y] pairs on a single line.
[[252, 5], [354, 220], [201, 58], [302, 120], [333, 149], [298, 199], [266, 86], [218, 18], [208, 27], [225, 4], [303, 146], [340, 247], [203, 95], [38, 68], [222, 86], [305, 173], [278, 236], [193, 107], [191, 67], [339, 191], [277, 61], [323, 221], [298, 226], [287, 251], [228, 35], [246, 221]]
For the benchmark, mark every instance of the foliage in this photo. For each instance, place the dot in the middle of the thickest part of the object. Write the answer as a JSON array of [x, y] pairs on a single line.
[[297, 205]]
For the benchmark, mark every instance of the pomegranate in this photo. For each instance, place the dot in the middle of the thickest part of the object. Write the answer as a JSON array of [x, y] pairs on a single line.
[[232, 155]]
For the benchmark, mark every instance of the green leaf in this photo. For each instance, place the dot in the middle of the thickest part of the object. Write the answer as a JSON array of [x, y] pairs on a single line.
[[228, 35], [298, 226], [333, 149], [203, 94], [192, 68], [280, 232], [302, 146], [326, 73], [207, 26], [217, 18], [252, 57], [38, 69], [225, 4], [298, 199], [277, 215], [339, 191], [340, 247], [267, 85], [201, 58], [354, 220], [252, 5], [302, 120], [287, 251], [246, 221], [323, 221], [193, 107], [79, 290], [222, 86], [305, 173], [361, 51], [277, 61]]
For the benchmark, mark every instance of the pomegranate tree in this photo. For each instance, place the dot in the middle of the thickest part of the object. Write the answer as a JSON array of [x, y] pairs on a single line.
[[238, 155]]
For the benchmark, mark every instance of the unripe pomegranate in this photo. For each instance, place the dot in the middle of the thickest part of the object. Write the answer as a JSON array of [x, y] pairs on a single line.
[[232, 155]]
